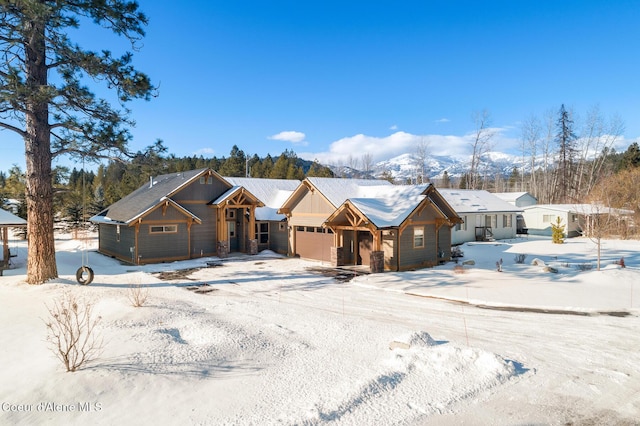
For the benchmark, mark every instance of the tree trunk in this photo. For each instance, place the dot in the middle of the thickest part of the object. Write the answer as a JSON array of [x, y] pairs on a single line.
[[41, 259]]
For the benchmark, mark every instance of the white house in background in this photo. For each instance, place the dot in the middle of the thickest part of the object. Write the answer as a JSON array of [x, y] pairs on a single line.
[[485, 216], [518, 199], [577, 218]]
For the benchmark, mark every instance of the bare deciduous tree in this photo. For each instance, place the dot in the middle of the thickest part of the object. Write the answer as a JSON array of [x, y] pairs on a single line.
[[420, 157], [367, 164], [71, 331], [480, 146]]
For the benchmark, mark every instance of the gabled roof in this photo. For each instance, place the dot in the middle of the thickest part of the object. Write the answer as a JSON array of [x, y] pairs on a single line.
[[512, 197], [389, 206], [272, 192], [476, 201], [337, 191], [148, 196], [334, 190], [9, 219]]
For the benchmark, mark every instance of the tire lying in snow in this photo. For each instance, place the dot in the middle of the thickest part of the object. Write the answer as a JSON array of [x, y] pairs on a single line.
[[84, 275]]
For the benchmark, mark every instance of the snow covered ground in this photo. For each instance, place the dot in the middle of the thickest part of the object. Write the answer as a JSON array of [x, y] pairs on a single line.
[[278, 342]]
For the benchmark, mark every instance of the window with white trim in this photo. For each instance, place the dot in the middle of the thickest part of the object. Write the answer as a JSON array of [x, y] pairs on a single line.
[[418, 237], [163, 229], [548, 217], [507, 221]]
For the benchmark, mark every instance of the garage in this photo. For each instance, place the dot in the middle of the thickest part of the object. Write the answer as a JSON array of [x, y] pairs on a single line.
[[313, 243]]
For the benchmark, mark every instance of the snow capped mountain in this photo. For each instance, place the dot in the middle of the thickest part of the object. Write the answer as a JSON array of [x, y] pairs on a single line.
[[405, 166]]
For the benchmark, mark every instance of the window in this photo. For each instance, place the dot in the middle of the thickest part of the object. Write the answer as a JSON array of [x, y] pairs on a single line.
[[163, 229], [202, 180], [548, 218], [574, 217], [262, 232], [282, 226], [462, 226], [300, 228], [231, 214], [506, 221], [418, 237], [210, 180]]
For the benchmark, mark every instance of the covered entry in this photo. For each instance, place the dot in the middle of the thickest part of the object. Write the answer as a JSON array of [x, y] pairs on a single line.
[[235, 221], [357, 241]]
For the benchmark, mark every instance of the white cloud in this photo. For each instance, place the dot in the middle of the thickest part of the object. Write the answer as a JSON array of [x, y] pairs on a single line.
[[443, 120], [205, 151], [398, 143], [289, 136], [394, 127]]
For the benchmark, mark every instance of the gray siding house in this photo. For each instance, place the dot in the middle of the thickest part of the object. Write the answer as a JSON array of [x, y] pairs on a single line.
[[185, 215]]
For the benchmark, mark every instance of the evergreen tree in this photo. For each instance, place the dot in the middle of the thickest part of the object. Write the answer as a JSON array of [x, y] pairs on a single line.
[[45, 98], [280, 168], [566, 139], [631, 157], [235, 165], [557, 231], [446, 181]]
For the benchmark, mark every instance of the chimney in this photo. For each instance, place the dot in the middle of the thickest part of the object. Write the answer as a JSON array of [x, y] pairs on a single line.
[[150, 181]]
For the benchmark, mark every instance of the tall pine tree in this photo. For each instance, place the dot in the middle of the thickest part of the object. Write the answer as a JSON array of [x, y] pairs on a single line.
[[566, 139], [45, 99]]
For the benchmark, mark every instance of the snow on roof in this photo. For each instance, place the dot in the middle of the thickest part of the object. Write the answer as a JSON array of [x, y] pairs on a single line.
[[9, 219], [389, 205], [338, 190], [511, 196], [581, 208], [476, 201], [272, 192]]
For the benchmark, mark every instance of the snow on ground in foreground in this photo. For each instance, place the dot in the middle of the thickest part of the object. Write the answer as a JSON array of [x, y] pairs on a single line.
[[277, 343]]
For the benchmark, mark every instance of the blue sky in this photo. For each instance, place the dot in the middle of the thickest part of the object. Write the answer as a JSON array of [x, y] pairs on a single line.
[[329, 79]]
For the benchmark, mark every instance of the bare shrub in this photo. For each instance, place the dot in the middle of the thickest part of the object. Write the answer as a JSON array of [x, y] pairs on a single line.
[[71, 331], [137, 294], [584, 266], [520, 258]]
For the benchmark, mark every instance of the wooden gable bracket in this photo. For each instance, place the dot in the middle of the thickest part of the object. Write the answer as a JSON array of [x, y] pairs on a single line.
[[164, 207], [441, 222]]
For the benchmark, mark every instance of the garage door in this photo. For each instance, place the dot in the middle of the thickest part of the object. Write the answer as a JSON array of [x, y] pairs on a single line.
[[314, 243]]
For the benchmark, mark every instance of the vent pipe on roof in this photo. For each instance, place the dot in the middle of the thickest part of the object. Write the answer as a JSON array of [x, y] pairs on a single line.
[[150, 181]]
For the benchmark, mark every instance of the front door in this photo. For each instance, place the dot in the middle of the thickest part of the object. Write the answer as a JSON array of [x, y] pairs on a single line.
[[232, 235], [364, 248]]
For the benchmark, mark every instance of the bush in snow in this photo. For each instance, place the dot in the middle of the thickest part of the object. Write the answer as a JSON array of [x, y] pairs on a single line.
[[137, 294], [520, 258], [71, 331], [584, 266]]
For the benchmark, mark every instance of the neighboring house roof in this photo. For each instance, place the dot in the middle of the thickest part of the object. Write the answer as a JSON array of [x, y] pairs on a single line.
[[147, 197], [337, 191], [586, 209], [272, 192], [476, 201], [512, 197], [9, 219]]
